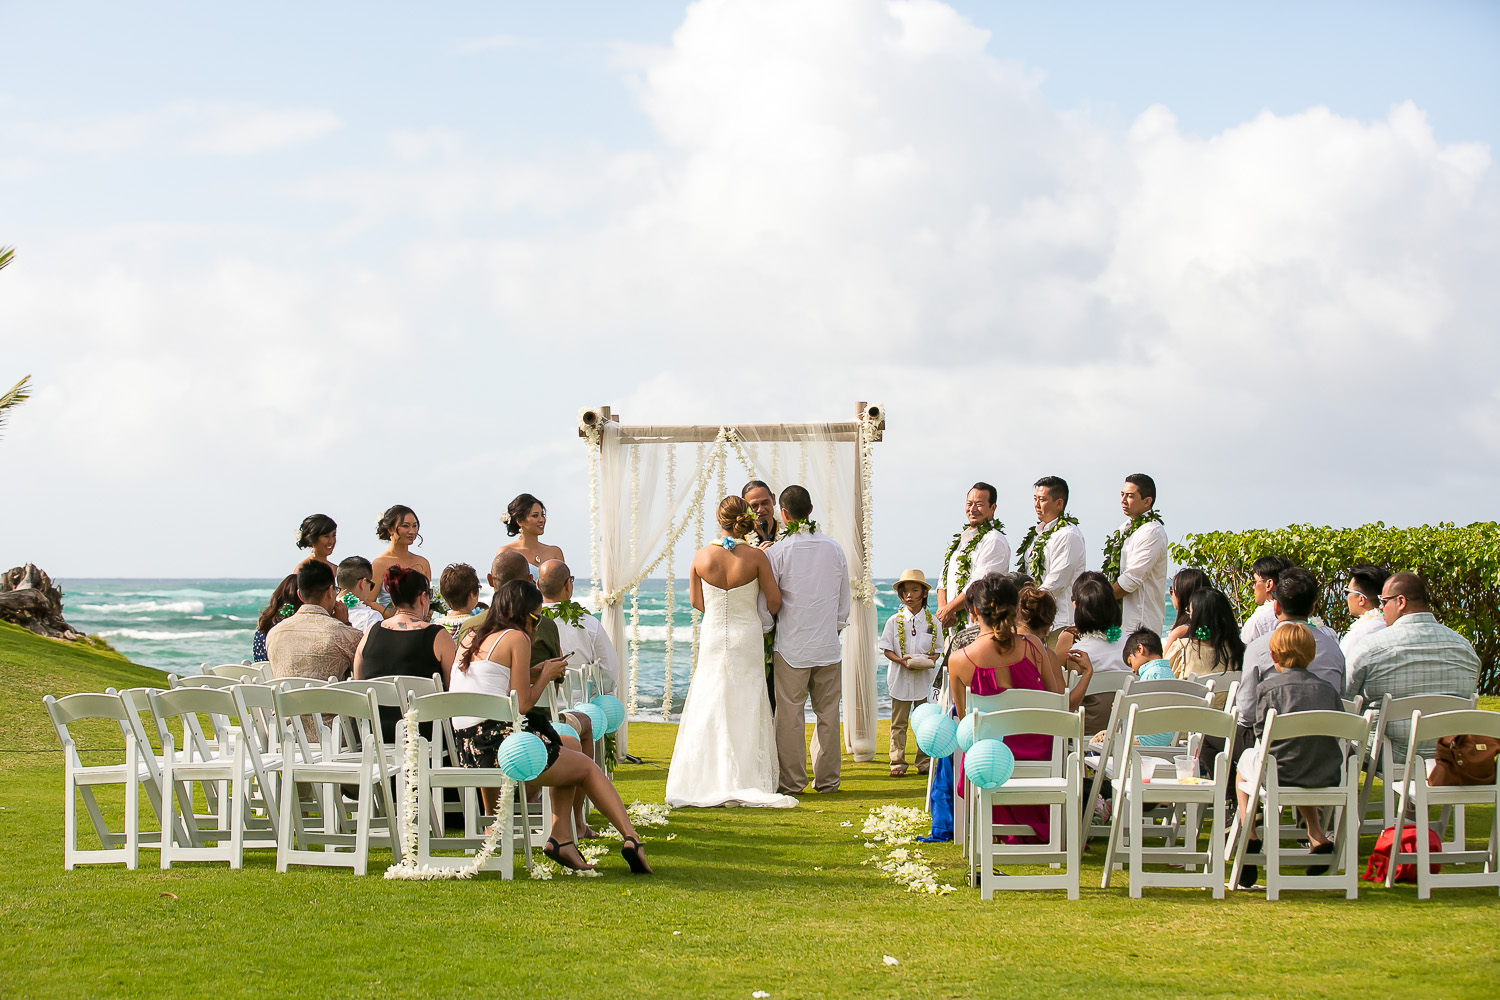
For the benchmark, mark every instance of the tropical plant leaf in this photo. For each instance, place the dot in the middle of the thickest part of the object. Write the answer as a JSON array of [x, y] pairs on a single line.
[[6, 253], [18, 394]]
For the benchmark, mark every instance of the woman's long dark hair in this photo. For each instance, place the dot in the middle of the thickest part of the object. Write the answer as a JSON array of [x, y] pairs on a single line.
[[1185, 584], [995, 599], [514, 603], [1211, 611], [285, 593], [1094, 607]]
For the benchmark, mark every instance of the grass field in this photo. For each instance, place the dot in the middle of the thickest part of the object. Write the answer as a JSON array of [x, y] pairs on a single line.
[[745, 900]]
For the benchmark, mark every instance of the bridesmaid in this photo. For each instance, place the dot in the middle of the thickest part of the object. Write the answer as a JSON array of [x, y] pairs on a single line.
[[319, 533], [527, 516], [400, 526]]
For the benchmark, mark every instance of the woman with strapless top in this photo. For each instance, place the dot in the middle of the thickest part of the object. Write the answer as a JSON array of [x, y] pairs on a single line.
[[1006, 661]]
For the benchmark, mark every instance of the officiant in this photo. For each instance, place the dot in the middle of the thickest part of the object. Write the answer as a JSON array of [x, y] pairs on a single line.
[[767, 530]]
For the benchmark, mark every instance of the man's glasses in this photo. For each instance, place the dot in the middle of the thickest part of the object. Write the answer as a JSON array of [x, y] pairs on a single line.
[[1383, 600], [1351, 592]]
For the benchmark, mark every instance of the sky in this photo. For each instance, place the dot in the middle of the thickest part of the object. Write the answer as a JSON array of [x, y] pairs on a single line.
[[284, 259]]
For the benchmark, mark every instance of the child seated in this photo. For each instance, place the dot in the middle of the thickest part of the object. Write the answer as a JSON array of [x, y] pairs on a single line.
[[1143, 656], [912, 641], [1305, 762]]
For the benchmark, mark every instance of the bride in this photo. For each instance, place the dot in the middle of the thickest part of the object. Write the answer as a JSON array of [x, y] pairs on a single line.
[[726, 748]]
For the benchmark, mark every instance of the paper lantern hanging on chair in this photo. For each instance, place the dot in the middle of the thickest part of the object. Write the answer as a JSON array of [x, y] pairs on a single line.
[[595, 716], [563, 729], [523, 756], [937, 735], [613, 708], [989, 763], [921, 711], [966, 733]]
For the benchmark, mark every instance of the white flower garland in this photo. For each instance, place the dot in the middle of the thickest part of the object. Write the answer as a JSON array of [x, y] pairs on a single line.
[[671, 602], [635, 592], [864, 588], [594, 437], [407, 868], [695, 513]]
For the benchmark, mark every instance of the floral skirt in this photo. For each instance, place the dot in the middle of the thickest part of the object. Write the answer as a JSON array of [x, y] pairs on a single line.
[[479, 746]]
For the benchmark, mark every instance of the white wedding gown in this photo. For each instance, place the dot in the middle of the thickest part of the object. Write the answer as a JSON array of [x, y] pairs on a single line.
[[726, 748]]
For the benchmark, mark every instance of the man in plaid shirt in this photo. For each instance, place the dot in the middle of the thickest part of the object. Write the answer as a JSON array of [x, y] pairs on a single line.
[[1413, 654]]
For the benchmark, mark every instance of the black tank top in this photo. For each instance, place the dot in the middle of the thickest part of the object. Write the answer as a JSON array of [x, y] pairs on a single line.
[[393, 652]]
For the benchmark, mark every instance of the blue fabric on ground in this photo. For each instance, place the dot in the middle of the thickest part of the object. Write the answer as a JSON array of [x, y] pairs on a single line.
[[940, 803]]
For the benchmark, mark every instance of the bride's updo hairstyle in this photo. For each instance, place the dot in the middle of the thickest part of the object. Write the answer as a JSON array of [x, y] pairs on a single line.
[[995, 600], [517, 511], [736, 517]]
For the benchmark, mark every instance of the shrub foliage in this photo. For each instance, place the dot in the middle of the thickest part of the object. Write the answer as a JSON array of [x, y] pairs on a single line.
[[1461, 566]]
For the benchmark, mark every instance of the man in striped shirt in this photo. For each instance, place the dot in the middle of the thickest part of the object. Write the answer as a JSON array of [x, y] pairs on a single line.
[[1413, 654]]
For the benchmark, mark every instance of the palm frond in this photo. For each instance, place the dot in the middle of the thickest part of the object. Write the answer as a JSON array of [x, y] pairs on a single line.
[[18, 394], [6, 253]]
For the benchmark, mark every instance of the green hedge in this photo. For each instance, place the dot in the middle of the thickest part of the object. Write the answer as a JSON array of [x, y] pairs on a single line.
[[1461, 566]]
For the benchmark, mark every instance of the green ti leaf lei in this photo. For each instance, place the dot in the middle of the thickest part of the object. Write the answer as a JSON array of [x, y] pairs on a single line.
[[1039, 553], [567, 612], [1115, 545], [797, 524], [965, 560], [931, 631]]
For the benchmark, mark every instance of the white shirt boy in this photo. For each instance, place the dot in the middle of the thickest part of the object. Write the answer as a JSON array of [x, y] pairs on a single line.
[[903, 683]]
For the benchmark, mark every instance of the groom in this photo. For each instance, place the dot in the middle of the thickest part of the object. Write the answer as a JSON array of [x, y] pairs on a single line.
[[813, 575]]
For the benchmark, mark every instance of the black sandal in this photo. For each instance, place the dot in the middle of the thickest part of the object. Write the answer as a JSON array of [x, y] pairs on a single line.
[[630, 850], [553, 850], [1328, 847]]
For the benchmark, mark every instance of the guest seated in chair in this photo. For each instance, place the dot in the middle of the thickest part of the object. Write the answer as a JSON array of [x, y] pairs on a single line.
[[1035, 613], [495, 658], [1305, 762], [405, 644]]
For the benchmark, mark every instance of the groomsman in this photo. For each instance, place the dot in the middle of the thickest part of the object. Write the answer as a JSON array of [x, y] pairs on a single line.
[[978, 549], [1053, 551], [1135, 558]]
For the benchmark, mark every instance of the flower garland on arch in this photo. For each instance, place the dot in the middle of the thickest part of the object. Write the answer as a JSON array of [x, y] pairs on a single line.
[[594, 438], [1115, 544], [671, 584], [1039, 553], [864, 588]]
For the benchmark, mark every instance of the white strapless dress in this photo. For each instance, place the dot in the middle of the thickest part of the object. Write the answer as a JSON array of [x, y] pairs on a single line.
[[726, 746]]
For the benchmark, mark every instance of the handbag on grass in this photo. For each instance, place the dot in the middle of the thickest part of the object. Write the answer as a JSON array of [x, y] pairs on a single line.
[[1380, 857], [1464, 760]]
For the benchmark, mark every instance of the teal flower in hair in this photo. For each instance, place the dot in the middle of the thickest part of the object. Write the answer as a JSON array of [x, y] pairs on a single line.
[[1112, 633]]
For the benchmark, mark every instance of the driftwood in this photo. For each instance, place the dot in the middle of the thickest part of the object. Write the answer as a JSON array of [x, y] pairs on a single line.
[[29, 599]]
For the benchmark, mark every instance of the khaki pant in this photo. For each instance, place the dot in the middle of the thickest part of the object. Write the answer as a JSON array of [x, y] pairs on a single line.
[[793, 687], [900, 716]]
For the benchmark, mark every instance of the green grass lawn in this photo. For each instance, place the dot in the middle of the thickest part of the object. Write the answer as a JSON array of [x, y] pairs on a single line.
[[744, 900]]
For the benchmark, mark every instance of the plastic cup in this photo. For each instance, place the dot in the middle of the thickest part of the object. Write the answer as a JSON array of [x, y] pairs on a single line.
[[1184, 765], [1148, 767]]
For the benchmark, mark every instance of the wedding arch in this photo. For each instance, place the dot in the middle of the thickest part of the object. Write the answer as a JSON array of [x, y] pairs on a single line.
[[653, 490]]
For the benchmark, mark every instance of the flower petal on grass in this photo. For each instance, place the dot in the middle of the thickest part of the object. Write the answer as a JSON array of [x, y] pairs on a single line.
[[890, 961]]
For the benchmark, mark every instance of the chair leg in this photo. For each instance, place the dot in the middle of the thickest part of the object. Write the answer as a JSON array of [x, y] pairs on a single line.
[[290, 808], [237, 792], [1073, 822], [1396, 828], [1134, 832], [1424, 849], [132, 811], [1348, 851]]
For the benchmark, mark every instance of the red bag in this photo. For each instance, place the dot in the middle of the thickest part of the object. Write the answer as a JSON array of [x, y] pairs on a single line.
[[1380, 857]]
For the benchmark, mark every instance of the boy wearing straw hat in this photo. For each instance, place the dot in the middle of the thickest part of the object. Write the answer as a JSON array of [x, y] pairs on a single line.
[[912, 641]]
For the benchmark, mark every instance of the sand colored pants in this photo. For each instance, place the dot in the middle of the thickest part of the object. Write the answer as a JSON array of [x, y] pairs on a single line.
[[794, 685], [900, 717]]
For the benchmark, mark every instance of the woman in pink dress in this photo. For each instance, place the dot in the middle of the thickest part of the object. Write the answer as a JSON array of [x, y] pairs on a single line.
[[1000, 658]]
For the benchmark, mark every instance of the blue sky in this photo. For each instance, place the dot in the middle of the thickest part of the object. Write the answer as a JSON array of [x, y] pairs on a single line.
[[270, 244]]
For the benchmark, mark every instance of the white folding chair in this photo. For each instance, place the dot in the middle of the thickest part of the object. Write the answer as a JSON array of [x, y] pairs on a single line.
[[1422, 796], [80, 780], [1137, 793], [979, 703], [433, 777], [298, 683], [337, 764], [1173, 685], [1110, 760], [201, 680], [257, 711], [1267, 790], [1385, 762], [240, 673], [1060, 792], [227, 768]]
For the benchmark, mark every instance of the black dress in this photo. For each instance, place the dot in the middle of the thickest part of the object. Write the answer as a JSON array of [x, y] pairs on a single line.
[[393, 652]]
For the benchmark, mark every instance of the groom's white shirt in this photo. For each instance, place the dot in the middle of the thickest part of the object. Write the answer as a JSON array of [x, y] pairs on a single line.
[[813, 575]]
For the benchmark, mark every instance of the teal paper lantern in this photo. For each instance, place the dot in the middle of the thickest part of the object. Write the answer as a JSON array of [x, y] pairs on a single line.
[[922, 711], [563, 729], [989, 763], [937, 735], [614, 710], [523, 756], [966, 733], [595, 716]]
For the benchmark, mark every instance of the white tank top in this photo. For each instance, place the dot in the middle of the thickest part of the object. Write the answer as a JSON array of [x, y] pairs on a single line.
[[482, 677]]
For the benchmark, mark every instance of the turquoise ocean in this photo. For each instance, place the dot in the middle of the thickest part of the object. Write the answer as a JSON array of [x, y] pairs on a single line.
[[180, 625]]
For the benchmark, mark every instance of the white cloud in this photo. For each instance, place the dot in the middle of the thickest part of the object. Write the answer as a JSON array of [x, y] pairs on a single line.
[[847, 201], [194, 127]]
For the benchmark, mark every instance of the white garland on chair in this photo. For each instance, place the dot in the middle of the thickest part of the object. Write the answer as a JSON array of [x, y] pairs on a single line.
[[407, 868]]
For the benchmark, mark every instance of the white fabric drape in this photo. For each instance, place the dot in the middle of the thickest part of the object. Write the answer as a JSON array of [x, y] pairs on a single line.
[[829, 467]]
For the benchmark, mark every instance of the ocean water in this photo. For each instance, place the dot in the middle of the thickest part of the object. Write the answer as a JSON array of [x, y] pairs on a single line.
[[182, 625]]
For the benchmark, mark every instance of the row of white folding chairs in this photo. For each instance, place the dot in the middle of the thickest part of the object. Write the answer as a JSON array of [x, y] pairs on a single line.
[[1376, 814]]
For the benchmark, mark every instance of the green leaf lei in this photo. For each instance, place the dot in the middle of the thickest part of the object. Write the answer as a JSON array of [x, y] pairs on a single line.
[[1039, 553], [931, 631], [567, 612], [797, 524], [1116, 543], [965, 560]]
